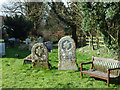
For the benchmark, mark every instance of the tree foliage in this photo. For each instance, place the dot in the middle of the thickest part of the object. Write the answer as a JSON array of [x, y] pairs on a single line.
[[20, 26], [104, 17], [70, 15]]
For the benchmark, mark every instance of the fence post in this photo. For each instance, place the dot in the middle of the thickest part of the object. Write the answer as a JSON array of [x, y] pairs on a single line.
[[97, 42]]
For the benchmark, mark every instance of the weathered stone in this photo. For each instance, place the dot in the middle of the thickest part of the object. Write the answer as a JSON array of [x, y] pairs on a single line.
[[31, 45], [17, 41], [49, 45], [2, 48], [11, 42], [28, 40], [40, 56], [40, 40], [12, 39], [67, 54]]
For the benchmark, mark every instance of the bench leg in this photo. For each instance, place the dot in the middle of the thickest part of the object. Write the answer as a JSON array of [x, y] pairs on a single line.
[[108, 77], [81, 70], [24, 62], [81, 74], [108, 81]]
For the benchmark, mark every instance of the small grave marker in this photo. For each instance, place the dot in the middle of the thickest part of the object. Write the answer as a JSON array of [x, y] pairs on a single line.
[[40, 40], [39, 54], [2, 49], [49, 45], [28, 40]]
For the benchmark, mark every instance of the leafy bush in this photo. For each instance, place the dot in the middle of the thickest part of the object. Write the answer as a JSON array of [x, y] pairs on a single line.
[[19, 26]]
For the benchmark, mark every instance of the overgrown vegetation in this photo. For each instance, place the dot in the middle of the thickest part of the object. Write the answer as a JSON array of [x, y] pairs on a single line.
[[17, 26], [17, 75]]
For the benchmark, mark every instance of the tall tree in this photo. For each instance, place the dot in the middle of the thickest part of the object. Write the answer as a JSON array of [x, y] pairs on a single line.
[[67, 15], [104, 17]]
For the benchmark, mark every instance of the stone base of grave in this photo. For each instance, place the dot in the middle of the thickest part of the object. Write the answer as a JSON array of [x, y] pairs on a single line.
[[40, 64], [67, 66]]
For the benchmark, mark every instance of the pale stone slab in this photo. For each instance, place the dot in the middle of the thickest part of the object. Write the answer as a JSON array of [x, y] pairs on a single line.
[[2, 48], [28, 40], [40, 56], [40, 40], [67, 54]]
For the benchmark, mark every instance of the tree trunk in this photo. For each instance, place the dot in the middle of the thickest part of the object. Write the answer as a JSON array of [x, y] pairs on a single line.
[[119, 45], [74, 35], [107, 38], [91, 40]]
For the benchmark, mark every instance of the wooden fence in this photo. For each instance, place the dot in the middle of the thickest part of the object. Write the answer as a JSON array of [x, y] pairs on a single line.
[[93, 42]]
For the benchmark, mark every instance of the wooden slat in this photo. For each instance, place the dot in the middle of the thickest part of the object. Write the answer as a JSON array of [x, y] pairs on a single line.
[[99, 74]]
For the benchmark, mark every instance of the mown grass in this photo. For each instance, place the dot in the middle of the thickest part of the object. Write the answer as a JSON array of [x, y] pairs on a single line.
[[17, 75]]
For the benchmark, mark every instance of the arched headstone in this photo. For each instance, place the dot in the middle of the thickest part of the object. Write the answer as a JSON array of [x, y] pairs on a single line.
[[28, 40], [39, 54], [40, 40], [67, 54], [2, 49]]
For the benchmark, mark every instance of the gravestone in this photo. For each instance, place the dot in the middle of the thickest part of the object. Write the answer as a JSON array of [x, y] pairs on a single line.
[[31, 45], [40, 40], [39, 54], [17, 41], [11, 42], [28, 40], [2, 49], [12, 39], [67, 54], [49, 45]]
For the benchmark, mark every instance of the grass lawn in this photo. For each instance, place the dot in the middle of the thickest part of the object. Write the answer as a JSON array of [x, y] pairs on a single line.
[[17, 75]]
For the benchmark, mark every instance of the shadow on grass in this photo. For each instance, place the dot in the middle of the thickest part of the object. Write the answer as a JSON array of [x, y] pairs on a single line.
[[20, 54]]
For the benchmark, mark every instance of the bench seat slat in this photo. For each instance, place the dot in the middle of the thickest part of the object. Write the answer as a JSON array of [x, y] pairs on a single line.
[[99, 74]]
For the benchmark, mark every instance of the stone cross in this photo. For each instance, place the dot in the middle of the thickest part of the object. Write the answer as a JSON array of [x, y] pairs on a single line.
[[67, 54], [39, 54]]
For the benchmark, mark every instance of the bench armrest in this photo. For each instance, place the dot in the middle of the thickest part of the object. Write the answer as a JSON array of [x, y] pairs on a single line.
[[85, 64], [108, 72]]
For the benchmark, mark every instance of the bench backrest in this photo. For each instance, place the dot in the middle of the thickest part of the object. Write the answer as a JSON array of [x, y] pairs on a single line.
[[102, 64]]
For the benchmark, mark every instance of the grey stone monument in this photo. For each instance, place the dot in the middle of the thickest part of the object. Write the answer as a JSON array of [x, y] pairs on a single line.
[[40, 40], [2, 49], [39, 56], [28, 40], [31, 45], [67, 54], [49, 45]]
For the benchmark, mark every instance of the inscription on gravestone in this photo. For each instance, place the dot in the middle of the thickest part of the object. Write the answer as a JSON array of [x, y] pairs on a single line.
[[40, 56], [67, 54]]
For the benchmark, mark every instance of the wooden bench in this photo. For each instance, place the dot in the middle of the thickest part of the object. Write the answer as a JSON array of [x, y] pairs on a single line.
[[103, 68]]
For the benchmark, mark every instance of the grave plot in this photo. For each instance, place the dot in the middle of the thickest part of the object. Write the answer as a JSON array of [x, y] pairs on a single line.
[[38, 56]]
